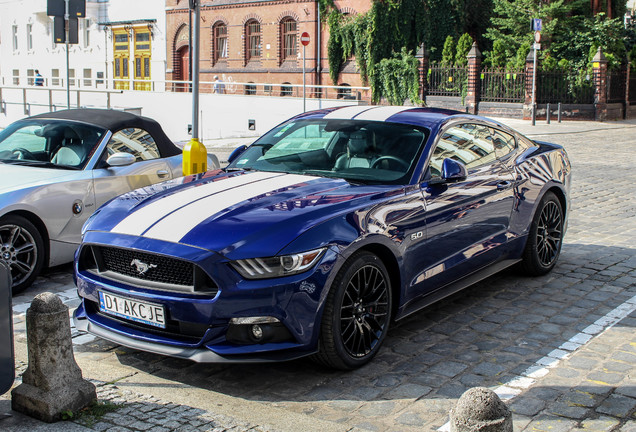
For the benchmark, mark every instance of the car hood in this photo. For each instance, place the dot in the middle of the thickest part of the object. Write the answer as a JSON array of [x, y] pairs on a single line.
[[16, 177], [236, 214]]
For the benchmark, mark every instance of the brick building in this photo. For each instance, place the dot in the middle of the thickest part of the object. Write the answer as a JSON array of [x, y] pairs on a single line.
[[256, 41]]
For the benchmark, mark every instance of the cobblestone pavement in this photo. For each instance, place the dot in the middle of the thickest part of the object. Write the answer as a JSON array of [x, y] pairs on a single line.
[[560, 349]]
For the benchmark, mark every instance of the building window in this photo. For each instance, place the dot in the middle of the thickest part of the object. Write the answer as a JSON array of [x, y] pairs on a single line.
[[15, 37], [344, 92], [286, 89], [142, 59], [121, 49], [88, 75], [253, 40], [29, 36], [16, 77], [250, 88], [86, 31], [288, 39], [55, 77], [30, 77], [71, 77], [219, 32]]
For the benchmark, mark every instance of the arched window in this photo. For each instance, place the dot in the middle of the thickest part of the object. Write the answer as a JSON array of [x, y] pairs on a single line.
[[288, 39], [344, 92], [252, 40], [286, 89], [219, 40]]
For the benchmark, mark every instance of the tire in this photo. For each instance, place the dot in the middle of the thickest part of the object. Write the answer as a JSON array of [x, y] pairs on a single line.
[[357, 313], [22, 248], [544, 238]]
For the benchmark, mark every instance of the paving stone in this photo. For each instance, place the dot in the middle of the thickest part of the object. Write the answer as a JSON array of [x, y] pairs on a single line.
[[617, 405], [448, 369], [600, 424]]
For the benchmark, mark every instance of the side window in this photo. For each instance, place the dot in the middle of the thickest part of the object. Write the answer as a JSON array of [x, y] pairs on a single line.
[[137, 142], [504, 143], [468, 143]]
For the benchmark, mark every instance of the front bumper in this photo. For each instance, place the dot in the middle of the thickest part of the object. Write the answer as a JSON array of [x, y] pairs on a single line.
[[199, 323], [196, 354]]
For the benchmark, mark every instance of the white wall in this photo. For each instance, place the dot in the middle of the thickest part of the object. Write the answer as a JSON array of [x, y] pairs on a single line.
[[222, 116]]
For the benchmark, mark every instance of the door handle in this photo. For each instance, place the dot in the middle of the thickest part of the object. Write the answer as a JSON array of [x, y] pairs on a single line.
[[503, 185], [162, 173]]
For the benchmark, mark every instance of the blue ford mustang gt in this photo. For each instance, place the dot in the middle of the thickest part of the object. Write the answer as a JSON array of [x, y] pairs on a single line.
[[318, 236]]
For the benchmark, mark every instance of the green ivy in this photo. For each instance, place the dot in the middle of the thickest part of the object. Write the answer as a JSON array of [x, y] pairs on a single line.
[[399, 77], [388, 31]]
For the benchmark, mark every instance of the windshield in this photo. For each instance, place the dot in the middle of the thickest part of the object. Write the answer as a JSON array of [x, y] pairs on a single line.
[[49, 143], [355, 150]]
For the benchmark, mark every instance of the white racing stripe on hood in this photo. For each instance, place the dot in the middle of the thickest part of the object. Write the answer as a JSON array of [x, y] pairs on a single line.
[[347, 113], [381, 113], [176, 225], [145, 217]]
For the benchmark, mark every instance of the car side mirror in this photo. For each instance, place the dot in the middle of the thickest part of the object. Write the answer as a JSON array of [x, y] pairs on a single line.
[[120, 159], [452, 171], [236, 153]]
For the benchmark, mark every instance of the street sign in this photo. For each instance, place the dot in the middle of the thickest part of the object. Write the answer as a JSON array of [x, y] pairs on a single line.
[[304, 38], [536, 24], [536, 46], [76, 8], [59, 34], [537, 36]]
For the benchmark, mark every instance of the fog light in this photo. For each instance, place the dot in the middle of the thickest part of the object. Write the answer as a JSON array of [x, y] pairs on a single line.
[[257, 331]]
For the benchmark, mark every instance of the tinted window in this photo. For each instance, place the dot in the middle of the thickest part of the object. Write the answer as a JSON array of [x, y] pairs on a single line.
[[468, 143], [137, 142]]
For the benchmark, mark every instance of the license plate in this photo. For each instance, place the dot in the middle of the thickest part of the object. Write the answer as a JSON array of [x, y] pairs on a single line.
[[134, 310]]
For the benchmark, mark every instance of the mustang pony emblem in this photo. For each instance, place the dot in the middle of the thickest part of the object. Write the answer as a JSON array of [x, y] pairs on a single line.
[[142, 267]]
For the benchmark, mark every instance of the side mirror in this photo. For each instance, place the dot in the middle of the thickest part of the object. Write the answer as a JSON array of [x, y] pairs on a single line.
[[120, 159], [452, 171], [236, 153]]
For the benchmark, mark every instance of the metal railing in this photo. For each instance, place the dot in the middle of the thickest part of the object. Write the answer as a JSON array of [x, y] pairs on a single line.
[[27, 103], [616, 86], [502, 85], [229, 86], [446, 80], [569, 86]]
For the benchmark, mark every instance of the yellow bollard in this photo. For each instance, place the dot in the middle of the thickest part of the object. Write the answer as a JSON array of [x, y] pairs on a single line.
[[195, 157]]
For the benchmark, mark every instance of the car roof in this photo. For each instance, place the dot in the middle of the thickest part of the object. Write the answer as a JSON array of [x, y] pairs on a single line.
[[114, 121], [431, 118]]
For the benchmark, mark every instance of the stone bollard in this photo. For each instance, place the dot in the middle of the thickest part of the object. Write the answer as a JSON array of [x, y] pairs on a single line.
[[53, 382], [480, 410]]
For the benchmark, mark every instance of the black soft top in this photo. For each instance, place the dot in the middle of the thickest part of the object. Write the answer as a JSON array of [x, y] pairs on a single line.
[[115, 121]]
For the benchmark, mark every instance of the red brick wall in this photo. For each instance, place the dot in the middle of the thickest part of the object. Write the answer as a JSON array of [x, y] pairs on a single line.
[[269, 68]]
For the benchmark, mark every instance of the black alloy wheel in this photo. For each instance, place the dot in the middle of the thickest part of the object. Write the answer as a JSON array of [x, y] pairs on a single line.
[[22, 249], [357, 313], [545, 237]]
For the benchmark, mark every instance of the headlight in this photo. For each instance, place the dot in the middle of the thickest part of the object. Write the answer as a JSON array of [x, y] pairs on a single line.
[[271, 267]]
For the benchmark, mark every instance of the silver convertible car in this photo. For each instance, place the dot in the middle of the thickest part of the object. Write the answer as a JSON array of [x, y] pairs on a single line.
[[57, 168]]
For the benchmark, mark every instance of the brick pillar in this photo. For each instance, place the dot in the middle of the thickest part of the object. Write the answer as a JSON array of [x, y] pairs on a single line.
[[527, 101], [474, 79], [599, 63], [423, 58]]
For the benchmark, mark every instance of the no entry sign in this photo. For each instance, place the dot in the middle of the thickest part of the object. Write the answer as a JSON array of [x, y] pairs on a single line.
[[304, 38]]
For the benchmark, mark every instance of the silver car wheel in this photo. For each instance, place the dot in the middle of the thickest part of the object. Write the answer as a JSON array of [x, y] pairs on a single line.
[[18, 249]]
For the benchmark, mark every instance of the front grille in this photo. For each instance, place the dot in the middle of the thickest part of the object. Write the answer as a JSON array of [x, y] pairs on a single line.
[[145, 266], [144, 269]]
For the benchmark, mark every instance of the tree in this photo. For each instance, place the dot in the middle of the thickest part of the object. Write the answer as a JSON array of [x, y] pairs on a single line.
[[464, 44], [448, 53]]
